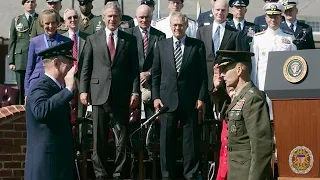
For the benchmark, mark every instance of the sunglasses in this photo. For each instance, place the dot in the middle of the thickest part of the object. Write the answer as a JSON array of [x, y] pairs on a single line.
[[74, 17]]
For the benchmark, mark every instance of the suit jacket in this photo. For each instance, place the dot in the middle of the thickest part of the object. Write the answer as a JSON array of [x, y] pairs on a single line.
[[145, 62], [181, 89], [246, 34], [117, 79], [82, 37], [19, 41], [250, 137], [231, 41], [34, 64], [303, 35], [49, 142], [206, 18]]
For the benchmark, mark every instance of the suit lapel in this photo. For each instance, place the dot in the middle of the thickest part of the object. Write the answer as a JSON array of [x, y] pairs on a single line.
[[53, 84], [152, 39], [137, 34], [208, 38], [285, 26], [120, 44], [82, 40], [186, 53], [169, 51], [102, 42], [226, 36], [298, 29]]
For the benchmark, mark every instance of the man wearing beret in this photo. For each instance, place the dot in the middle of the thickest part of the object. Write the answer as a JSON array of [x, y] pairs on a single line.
[[86, 16], [247, 29], [126, 21], [49, 153], [301, 31], [249, 128], [55, 5], [20, 30], [164, 23]]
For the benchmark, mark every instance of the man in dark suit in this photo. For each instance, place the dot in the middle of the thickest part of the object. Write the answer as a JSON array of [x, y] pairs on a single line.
[[111, 70], [179, 81], [86, 16], [247, 29], [206, 18], [71, 19], [49, 138], [147, 39], [301, 31], [20, 30], [261, 20]]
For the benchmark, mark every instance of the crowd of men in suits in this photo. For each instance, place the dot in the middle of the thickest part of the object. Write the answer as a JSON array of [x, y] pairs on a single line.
[[119, 64]]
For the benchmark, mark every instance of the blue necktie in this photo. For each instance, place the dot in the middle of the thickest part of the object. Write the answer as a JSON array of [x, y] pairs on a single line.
[[216, 40]]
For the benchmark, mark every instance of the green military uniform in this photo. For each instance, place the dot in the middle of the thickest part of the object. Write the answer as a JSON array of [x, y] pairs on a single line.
[[250, 136], [98, 23], [37, 29], [18, 48], [86, 24]]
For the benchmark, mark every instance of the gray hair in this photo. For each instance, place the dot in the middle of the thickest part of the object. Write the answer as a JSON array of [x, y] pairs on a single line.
[[112, 5], [65, 12], [180, 15]]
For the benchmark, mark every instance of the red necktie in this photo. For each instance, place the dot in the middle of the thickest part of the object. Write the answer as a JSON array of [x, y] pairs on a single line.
[[75, 51], [111, 47]]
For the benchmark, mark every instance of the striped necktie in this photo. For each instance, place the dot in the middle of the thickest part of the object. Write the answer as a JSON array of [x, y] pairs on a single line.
[[178, 55], [145, 42]]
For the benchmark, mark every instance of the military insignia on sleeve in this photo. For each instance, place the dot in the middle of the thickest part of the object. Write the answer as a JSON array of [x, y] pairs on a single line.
[[301, 160], [285, 41], [19, 26], [251, 32], [295, 69], [99, 26]]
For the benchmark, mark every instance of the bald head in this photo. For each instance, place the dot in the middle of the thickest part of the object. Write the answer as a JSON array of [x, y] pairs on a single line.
[[220, 10], [144, 16]]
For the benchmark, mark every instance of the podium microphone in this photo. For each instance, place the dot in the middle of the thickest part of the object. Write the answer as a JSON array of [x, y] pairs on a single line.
[[162, 110]]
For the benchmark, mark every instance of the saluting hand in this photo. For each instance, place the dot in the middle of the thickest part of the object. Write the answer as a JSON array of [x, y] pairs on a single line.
[[217, 79], [69, 79]]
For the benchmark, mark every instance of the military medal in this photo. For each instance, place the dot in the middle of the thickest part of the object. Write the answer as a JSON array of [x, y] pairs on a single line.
[[98, 27], [239, 105], [285, 41]]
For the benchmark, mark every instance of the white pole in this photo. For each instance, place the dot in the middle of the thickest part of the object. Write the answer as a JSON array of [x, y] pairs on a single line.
[[158, 10]]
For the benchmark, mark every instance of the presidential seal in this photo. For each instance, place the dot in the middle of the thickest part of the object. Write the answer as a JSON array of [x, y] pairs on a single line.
[[295, 69], [301, 160]]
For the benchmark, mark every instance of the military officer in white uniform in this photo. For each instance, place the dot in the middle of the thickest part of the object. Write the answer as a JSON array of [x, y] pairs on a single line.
[[272, 39], [164, 23]]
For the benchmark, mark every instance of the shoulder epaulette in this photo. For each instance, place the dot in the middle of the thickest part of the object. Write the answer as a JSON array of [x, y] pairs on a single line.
[[259, 33], [288, 32]]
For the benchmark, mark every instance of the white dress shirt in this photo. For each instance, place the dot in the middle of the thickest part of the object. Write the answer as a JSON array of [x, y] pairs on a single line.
[[236, 22], [222, 29], [115, 36], [294, 25]]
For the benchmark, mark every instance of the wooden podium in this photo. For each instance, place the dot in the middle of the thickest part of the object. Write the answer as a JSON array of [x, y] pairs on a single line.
[[293, 85]]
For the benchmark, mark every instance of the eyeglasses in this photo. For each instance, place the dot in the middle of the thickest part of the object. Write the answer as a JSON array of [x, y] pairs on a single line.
[[74, 17]]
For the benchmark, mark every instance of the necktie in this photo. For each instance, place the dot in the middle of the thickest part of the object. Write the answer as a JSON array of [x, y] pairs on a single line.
[[216, 39], [29, 20], [75, 51], [239, 27], [292, 27], [145, 42], [178, 55], [111, 47]]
